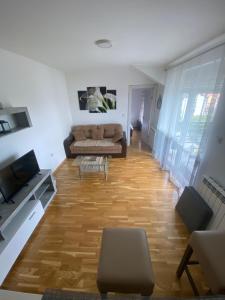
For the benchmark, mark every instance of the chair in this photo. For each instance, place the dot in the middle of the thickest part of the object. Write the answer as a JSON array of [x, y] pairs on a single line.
[[193, 210], [209, 248]]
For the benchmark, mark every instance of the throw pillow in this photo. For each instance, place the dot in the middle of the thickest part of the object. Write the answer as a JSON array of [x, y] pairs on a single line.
[[79, 135], [109, 131], [97, 133], [118, 136]]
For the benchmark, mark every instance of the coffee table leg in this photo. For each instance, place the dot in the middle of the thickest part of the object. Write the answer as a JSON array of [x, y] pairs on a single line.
[[105, 168]]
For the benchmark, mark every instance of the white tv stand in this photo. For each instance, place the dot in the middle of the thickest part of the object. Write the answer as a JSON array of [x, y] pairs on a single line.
[[20, 217]]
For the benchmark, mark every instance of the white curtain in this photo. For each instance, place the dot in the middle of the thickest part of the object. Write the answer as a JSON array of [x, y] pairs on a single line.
[[190, 99]]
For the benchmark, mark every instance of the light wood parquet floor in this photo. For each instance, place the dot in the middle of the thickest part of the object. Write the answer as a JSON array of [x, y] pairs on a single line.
[[63, 251]]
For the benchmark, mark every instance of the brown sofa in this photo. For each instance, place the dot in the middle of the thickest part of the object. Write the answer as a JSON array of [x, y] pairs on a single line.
[[103, 139]]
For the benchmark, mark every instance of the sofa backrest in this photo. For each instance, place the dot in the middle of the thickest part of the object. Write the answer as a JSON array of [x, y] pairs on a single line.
[[87, 129], [109, 129]]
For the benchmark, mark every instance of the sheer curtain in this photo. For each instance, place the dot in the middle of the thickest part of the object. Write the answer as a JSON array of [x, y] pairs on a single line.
[[190, 99]]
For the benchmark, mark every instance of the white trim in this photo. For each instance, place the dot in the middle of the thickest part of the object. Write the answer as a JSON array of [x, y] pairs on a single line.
[[12, 295], [220, 40], [130, 88], [156, 74]]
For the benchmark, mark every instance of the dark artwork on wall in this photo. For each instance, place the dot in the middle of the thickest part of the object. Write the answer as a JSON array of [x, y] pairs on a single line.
[[97, 99]]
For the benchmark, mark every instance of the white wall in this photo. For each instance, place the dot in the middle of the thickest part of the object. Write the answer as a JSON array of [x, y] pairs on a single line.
[[24, 82], [157, 74], [214, 162], [118, 78]]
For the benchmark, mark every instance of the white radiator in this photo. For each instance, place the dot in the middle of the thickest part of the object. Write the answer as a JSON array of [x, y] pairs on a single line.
[[214, 195]]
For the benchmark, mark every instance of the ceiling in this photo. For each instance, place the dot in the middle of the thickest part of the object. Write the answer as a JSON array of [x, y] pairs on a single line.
[[61, 33]]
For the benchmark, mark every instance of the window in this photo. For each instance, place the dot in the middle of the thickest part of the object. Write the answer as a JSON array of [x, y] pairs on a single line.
[[188, 109]]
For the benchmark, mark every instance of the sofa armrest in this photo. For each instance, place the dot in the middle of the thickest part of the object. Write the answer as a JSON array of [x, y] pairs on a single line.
[[67, 142], [124, 145]]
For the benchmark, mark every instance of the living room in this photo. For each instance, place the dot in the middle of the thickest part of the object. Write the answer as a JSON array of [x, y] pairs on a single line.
[[54, 52]]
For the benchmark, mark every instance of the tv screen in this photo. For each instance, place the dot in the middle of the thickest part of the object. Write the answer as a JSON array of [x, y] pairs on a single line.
[[16, 175]]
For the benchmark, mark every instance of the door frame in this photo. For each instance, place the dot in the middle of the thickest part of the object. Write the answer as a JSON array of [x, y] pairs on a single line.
[[130, 89]]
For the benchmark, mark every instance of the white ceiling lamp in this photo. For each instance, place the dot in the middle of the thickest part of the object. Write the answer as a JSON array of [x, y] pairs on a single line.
[[103, 43]]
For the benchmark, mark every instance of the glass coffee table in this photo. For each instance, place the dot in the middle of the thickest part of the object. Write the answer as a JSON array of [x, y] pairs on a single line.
[[90, 164]]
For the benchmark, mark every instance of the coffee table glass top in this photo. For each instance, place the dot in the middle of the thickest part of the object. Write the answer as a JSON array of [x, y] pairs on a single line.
[[91, 164]]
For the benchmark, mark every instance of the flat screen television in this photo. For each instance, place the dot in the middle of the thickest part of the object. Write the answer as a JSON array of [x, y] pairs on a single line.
[[17, 174]]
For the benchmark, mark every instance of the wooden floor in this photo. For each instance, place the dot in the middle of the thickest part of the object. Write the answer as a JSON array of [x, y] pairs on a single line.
[[64, 249]]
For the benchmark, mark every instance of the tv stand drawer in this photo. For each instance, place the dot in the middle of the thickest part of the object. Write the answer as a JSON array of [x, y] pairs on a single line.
[[15, 244]]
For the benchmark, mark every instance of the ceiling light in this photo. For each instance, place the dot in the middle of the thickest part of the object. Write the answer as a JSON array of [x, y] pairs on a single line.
[[103, 43]]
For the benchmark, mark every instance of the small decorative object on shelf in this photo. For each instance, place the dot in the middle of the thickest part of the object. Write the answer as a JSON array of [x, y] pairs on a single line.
[[4, 127]]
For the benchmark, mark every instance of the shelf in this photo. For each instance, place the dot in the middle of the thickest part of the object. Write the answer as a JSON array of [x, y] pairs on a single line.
[[12, 110], [42, 189], [12, 131], [46, 198], [18, 118]]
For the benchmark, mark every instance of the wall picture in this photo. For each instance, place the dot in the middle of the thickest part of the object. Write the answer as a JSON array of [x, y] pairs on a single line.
[[97, 99]]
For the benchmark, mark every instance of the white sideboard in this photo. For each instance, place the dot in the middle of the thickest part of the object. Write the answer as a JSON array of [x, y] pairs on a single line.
[[11, 295], [20, 217]]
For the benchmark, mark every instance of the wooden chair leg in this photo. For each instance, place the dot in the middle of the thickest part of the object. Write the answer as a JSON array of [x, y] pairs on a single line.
[[194, 288], [184, 261], [183, 266]]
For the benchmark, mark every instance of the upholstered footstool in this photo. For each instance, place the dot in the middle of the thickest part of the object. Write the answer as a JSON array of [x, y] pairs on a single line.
[[125, 264]]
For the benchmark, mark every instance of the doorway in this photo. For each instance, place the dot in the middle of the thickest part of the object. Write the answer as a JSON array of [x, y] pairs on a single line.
[[140, 114], [143, 115]]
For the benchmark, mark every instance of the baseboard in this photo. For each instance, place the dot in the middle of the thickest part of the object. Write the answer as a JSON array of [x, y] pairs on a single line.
[[56, 169]]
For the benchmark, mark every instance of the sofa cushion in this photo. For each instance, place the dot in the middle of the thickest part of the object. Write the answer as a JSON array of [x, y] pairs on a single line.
[[87, 129], [111, 129], [79, 135], [118, 136], [97, 133], [95, 146]]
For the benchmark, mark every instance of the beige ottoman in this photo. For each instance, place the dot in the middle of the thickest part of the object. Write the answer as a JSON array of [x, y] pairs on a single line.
[[124, 264]]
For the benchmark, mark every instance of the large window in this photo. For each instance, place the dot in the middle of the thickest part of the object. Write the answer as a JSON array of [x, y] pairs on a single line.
[[191, 96], [189, 132]]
